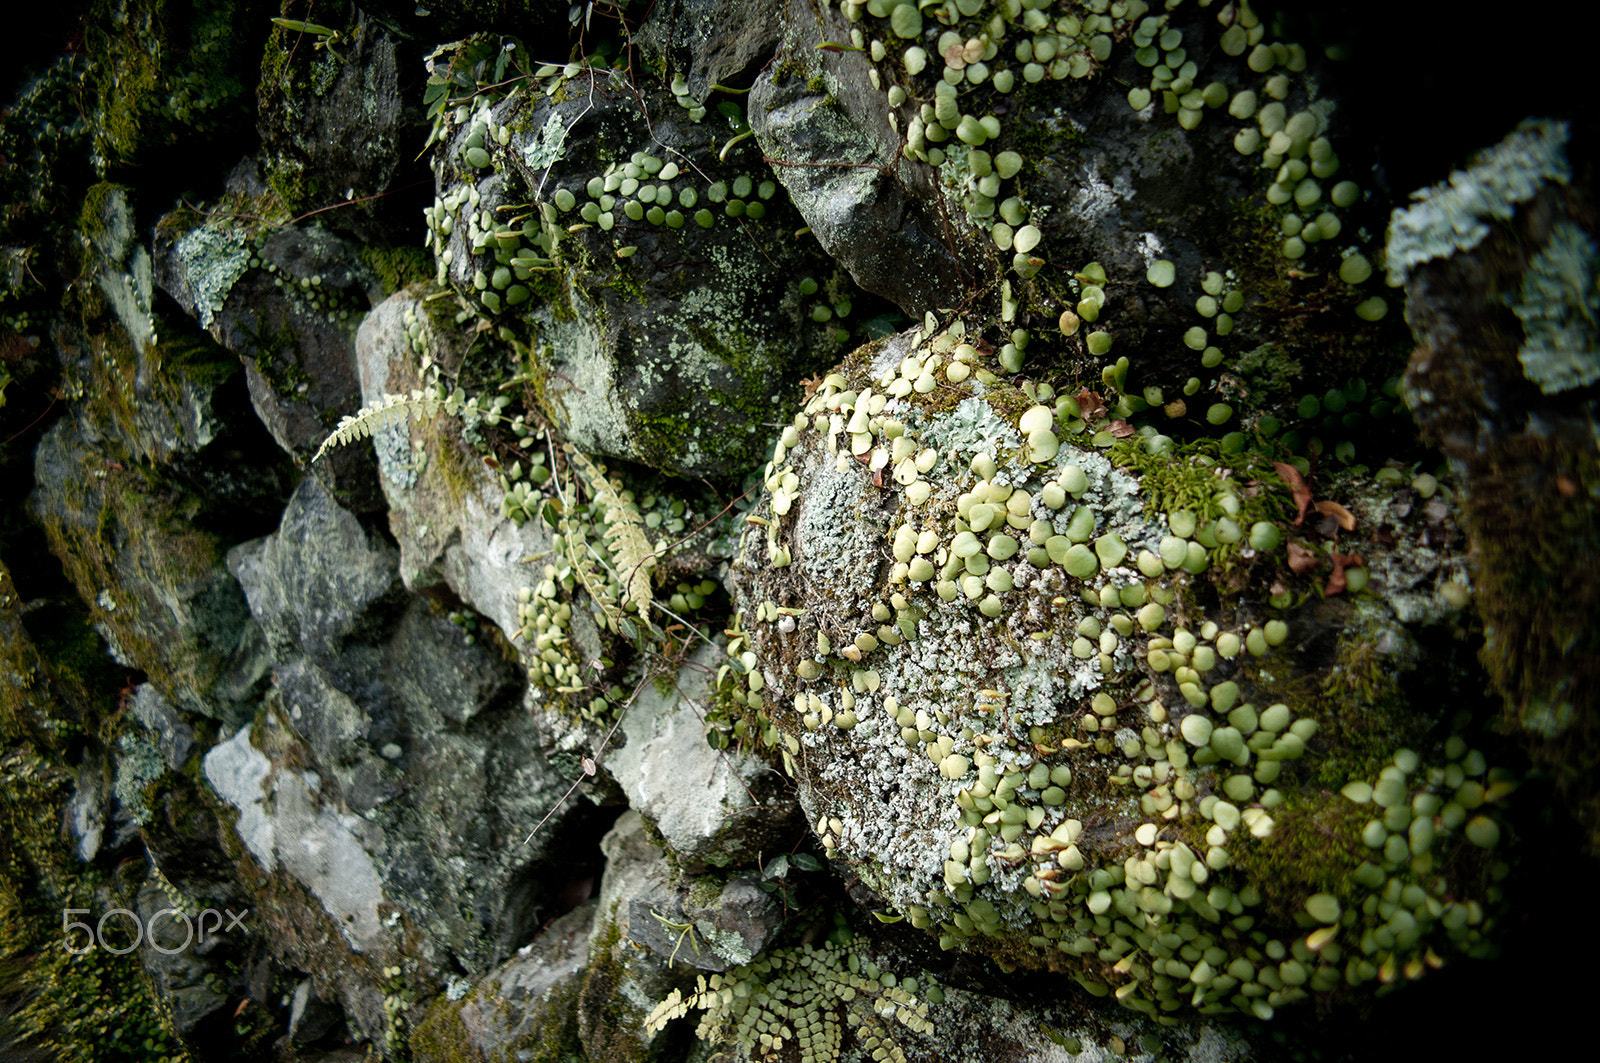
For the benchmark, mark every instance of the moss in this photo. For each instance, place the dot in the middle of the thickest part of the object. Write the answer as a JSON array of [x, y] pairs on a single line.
[[602, 1008], [79, 1009], [116, 521], [442, 1036], [1314, 849], [397, 267], [162, 72], [1533, 514]]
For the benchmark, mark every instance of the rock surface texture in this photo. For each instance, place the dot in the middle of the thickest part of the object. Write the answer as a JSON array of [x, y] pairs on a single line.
[[799, 530]]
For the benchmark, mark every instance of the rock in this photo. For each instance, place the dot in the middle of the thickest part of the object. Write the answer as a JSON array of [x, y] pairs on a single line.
[[623, 981], [320, 903], [185, 965], [661, 339], [1498, 281], [388, 698], [88, 807], [713, 808], [708, 924], [155, 583], [828, 132], [964, 672], [445, 506], [290, 318], [165, 724], [334, 123], [717, 42], [526, 1004], [319, 579]]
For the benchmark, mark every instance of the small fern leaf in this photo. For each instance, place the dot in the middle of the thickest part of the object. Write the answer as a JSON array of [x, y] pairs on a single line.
[[624, 536], [387, 410]]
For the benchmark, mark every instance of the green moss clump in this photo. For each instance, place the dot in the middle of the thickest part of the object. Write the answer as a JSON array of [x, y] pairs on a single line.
[[162, 72]]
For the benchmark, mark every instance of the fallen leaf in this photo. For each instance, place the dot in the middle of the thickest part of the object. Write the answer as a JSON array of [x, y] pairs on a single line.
[[955, 56], [1090, 405], [811, 384], [1301, 560], [1346, 519], [1120, 429], [1297, 488], [1336, 580]]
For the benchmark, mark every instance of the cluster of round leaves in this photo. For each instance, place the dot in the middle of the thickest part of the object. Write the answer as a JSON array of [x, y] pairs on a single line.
[[310, 294], [544, 618], [1291, 145], [1407, 901], [642, 191], [971, 61], [41, 129], [517, 247], [1173, 925], [1167, 923]]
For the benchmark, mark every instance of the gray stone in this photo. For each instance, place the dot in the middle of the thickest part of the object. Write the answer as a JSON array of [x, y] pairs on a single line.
[[284, 824], [165, 723], [828, 131], [313, 583], [713, 807], [88, 806], [334, 124], [528, 1003]]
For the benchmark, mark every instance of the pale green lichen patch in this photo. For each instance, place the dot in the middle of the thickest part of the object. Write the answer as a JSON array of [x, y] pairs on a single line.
[[1559, 306], [1455, 215], [545, 149], [214, 257]]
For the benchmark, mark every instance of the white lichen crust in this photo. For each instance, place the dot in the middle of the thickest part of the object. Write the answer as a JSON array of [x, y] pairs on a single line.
[[1454, 216]]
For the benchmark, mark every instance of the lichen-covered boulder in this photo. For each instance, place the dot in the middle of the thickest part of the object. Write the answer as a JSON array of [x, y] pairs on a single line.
[[1008, 662]]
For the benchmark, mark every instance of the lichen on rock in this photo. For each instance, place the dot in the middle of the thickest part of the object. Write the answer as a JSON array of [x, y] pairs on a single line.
[[1018, 714]]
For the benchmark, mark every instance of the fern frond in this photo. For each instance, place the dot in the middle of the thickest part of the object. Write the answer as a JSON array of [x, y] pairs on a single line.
[[387, 410], [624, 535]]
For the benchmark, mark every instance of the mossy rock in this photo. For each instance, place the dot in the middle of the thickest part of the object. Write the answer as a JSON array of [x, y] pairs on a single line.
[[1050, 716]]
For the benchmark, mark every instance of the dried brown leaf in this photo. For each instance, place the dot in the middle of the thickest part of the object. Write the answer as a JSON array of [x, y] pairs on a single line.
[[1336, 579], [1301, 560], [1297, 488], [1346, 519]]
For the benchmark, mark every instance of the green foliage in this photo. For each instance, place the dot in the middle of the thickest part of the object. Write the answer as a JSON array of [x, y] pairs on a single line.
[[391, 409], [807, 998], [160, 73], [632, 556]]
